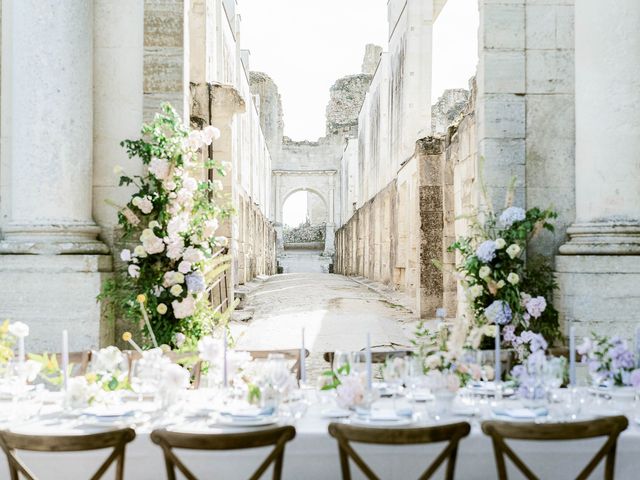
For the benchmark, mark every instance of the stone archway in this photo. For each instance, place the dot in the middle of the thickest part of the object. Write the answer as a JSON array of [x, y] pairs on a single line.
[[319, 182]]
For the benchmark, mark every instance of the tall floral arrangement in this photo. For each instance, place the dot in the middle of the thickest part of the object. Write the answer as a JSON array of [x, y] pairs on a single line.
[[170, 223], [502, 288]]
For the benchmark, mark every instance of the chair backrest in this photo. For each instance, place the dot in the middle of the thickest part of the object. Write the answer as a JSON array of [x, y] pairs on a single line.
[[451, 433], [277, 437], [116, 439], [80, 361], [377, 356], [609, 427]]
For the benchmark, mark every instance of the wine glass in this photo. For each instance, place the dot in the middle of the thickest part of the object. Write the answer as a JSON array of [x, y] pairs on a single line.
[[342, 363]]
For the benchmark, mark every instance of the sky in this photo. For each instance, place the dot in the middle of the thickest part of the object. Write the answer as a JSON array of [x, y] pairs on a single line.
[[306, 45]]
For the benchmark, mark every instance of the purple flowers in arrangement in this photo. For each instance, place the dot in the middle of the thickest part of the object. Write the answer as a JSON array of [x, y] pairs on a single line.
[[486, 251], [512, 215], [499, 312], [610, 361]]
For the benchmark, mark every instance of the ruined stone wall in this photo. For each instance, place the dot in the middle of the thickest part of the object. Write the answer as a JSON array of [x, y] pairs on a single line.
[[269, 106], [448, 108], [345, 99]]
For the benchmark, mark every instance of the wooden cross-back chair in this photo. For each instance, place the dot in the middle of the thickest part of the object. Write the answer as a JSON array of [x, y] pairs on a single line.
[[377, 356], [451, 433], [276, 437], [609, 427], [116, 439]]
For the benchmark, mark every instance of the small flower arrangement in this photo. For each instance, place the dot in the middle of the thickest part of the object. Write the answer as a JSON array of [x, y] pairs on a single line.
[[537, 372], [171, 223], [7, 341], [610, 361], [502, 289]]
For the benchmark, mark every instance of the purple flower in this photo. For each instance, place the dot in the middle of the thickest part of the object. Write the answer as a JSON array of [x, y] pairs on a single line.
[[634, 378], [621, 357], [499, 312], [195, 282], [512, 215], [486, 251], [535, 306], [509, 333]]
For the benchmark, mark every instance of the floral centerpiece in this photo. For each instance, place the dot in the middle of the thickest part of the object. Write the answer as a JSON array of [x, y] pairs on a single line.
[[171, 223], [501, 287], [610, 361]]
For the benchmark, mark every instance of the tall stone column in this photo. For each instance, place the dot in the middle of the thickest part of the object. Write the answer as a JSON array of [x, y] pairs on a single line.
[[50, 256], [599, 268], [52, 135]]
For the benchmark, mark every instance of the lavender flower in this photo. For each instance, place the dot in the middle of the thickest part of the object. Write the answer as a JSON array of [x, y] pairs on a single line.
[[486, 251], [512, 215], [535, 340], [509, 334], [634, 378], [535, 306], [195, 282], [499, 312], [621, 357]]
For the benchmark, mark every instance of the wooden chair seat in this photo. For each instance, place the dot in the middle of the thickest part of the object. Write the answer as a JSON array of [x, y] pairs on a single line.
[[452, 434], [609, 427], [116, 439], [276, 437]]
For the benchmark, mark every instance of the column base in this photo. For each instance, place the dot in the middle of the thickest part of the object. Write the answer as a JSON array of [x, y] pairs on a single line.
[[600, 293], [55, 292], [57, 239], [621, 238]]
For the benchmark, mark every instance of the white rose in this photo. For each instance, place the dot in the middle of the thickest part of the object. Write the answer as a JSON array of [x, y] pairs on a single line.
[[184, 308], [153, 244], [161, 309], [476, 291], [139, 251], [145, 205], [513, 278], [176, 290], [513, 250], [195, 140], [125, 255], [175, 247], [172, 278], [175, 377], [184, 267], [484, 272], [19, 329], [500, 243], [135, 201], [160, 168], [134, 271], [107, 359], [193, 255], [170, 185], [190, 184], [210, 133]]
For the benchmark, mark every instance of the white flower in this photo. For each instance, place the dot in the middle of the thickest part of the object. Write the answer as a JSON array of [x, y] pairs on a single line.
[[484, 272], [19, 329], [176, 290], [139, 251], [135, 201], [175, 377], [193, 255], [117, 170], [177, 224], [170, 185], [175, 246], [151, 243], [145, 205], [172, 278], [160, 168], [185, 308], [107, 359], [210, 227], [195, 140], [210, 350], [161, 309], [513, 250], [125, 255], [476, 291], [157, 290], [184, 267], [350, 392], [153, 224], [77, 391], [513, 278], [190, 184], [500, 284], [210, 133], [500, 243], [134, 271], [31, 370], [179, 339]]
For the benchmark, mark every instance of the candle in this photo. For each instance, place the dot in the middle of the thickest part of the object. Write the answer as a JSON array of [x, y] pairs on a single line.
[[498, 368], [368, 360], [572, 355], [65, 358], [21, 354], [224, 360], [303, 354]]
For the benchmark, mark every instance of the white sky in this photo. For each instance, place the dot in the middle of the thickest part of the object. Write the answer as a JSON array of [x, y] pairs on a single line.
[[305, 45]]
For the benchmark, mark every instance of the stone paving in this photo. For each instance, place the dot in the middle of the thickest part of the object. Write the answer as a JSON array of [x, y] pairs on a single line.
[[335, 311]]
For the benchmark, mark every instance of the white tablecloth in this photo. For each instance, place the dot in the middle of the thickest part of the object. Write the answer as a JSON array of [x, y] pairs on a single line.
[[313, 454]]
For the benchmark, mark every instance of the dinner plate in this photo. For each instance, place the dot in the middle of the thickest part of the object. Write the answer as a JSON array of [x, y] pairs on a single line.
[[381, 423], [111, 411], [335, 413], [614, 392], [261, 421]]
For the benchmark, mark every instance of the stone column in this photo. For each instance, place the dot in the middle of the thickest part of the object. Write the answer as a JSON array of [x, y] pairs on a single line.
[[52, 136], [599, 269]]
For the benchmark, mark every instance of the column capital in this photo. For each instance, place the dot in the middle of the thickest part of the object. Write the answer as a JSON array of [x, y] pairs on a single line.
[[610, 238]]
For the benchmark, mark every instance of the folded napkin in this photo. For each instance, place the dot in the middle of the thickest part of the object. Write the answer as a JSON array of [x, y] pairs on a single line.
[[389, 415], [521, 413]]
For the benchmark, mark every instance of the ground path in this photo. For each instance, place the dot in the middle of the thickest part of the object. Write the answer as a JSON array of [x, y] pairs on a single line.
[[336, 312]]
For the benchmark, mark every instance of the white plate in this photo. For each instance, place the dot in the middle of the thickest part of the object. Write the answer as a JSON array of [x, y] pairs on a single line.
[[246, 422], [111, 411], [335, 413], [367, 422], [614, 392]]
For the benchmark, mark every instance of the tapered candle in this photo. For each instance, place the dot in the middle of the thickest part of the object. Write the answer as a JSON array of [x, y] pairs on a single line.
[[498, 369], [303, 367], [368, 360], [65, 359], [572, 355], [21, 353], [224, 360]]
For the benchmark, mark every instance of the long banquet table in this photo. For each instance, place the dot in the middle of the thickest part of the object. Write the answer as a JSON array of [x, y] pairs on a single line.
[[313, 454]]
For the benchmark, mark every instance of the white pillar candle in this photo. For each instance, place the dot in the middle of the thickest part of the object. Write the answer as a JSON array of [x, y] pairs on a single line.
[[572, 355], [303, 368], [65, 359], [224, 360], [368, 359], [498, 367]]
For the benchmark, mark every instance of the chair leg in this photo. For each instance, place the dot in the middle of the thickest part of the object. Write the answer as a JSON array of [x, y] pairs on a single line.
[[610, 464], [120, 466], [277, 466], [344, 465]]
